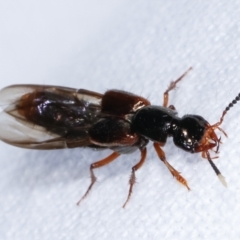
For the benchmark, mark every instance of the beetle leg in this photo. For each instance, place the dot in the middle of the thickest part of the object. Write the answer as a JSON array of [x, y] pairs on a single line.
[[98, 164], [173, 171], [132, 179], [172, 86]]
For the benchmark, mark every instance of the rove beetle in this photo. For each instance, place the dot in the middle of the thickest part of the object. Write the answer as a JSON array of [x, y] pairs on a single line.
[[54, 117]]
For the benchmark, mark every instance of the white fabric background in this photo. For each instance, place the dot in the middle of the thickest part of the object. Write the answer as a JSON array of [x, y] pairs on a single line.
[[136, 46]]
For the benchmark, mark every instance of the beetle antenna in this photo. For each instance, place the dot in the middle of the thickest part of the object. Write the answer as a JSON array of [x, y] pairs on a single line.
[[216, 170], [230, 105]]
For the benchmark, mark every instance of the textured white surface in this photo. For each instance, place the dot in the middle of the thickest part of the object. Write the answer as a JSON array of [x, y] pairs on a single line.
[[139, 47]]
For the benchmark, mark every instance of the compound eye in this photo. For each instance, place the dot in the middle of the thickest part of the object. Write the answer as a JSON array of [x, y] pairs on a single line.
[[189, 133]]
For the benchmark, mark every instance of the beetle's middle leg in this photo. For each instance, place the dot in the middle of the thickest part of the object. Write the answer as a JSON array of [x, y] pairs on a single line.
[[132, 179], [98, 164]]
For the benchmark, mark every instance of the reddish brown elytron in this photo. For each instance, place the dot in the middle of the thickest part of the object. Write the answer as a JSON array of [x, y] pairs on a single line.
[[54, 117]]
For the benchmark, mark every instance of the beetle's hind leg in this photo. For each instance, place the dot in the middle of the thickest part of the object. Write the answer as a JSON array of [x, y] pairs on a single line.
[[173, 171], [173, 85], [132, 179], [98, 164]]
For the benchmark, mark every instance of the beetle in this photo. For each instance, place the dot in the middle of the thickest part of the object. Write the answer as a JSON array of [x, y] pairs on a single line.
[[54, 117]]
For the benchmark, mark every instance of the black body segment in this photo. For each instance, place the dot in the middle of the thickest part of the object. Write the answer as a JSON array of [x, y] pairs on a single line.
[[189, 132], [154, 122], [111, 131]]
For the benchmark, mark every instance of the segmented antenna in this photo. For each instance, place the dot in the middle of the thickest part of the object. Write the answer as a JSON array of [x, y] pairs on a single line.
[[216, 125], [216, 170], [230, 105]]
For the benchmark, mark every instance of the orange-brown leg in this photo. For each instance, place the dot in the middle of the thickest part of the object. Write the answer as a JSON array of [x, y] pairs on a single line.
[[98, 164], [172, 86], [132, 179], [173, 171]]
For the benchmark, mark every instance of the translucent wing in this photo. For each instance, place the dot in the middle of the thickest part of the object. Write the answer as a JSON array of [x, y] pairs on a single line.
[[47, 117]]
